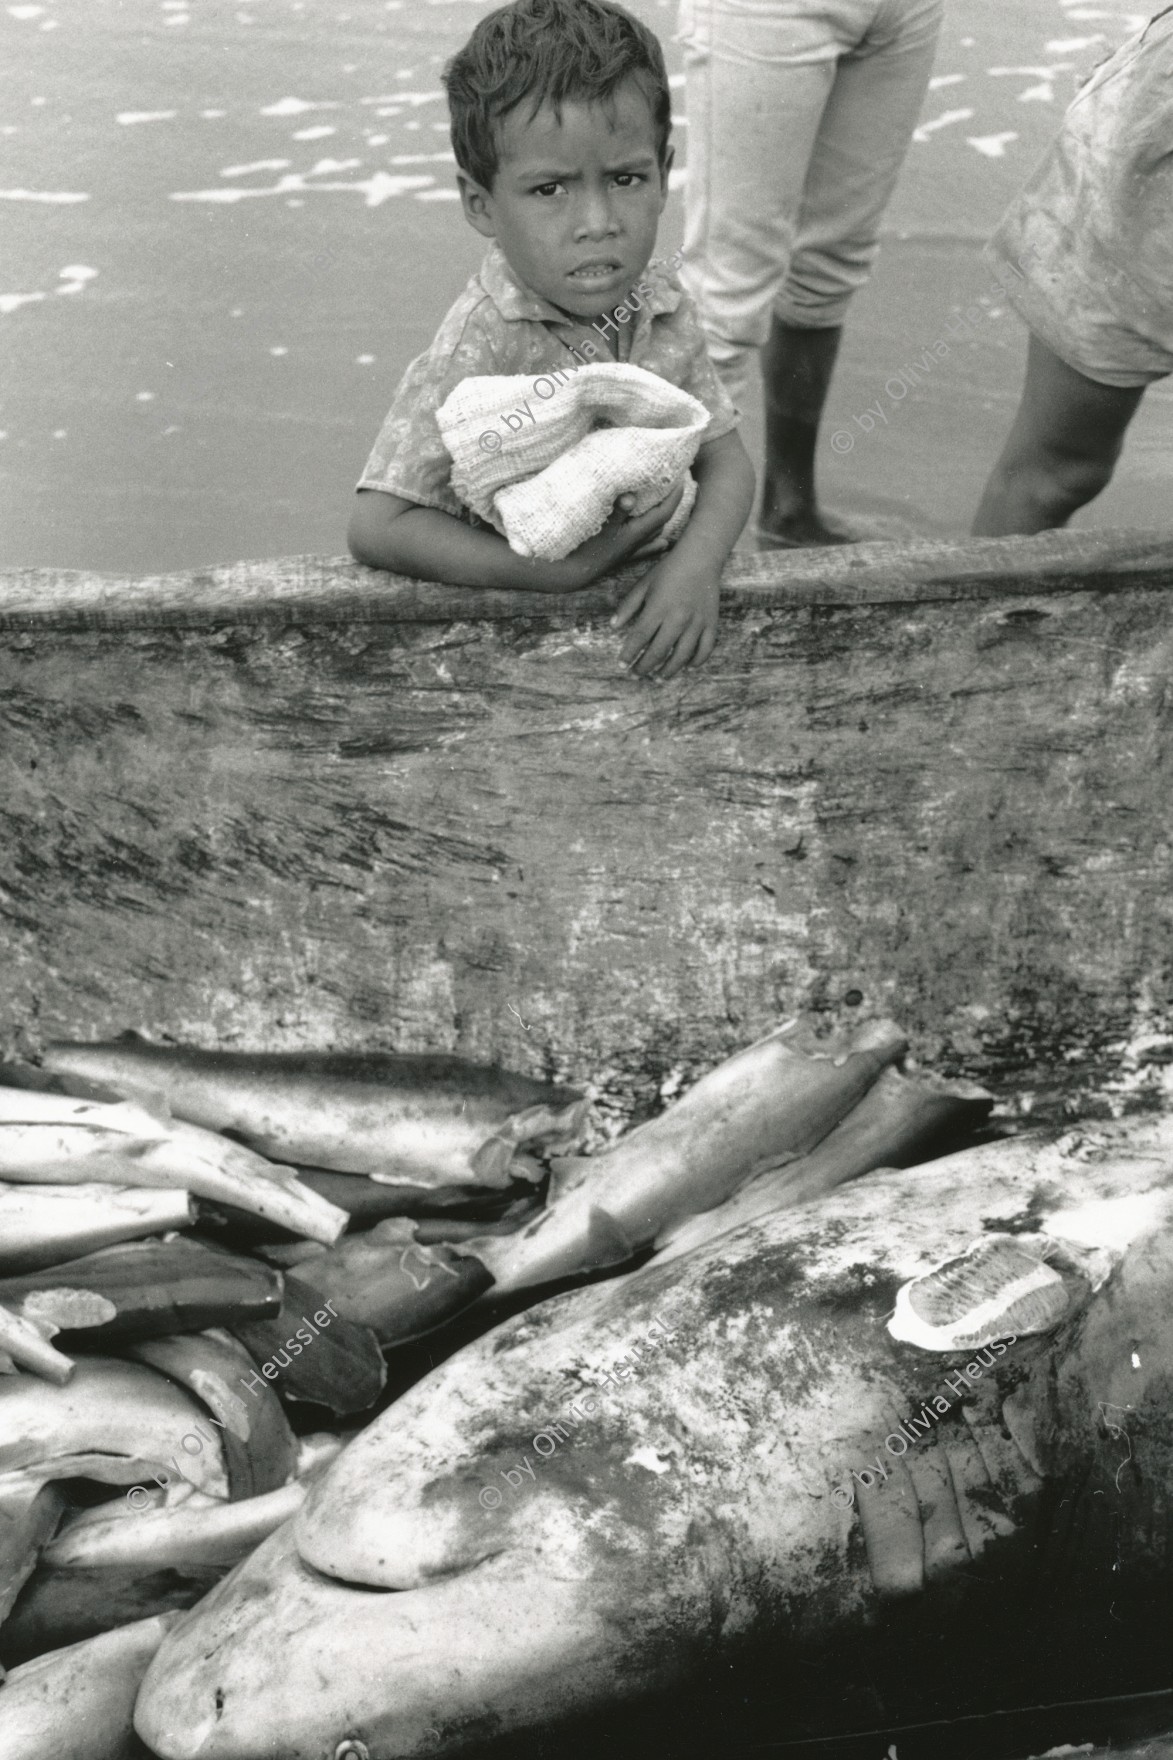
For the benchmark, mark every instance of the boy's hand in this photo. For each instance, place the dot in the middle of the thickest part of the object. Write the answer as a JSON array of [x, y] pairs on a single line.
[[677, 624], [619, 539]]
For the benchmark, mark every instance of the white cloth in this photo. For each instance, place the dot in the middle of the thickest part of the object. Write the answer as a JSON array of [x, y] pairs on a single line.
[[545, 470]]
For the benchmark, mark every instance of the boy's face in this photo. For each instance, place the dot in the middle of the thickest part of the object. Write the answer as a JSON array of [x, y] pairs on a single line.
[[575, 204]]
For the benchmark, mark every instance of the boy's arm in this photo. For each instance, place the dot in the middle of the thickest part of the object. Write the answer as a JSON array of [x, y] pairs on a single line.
[[388, 531], [677, 600]]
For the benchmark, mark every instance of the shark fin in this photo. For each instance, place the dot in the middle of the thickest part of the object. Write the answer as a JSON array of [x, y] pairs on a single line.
[[491, 1161], [146, 1100], [567, 1173], [82, 1088], [606, 1242]]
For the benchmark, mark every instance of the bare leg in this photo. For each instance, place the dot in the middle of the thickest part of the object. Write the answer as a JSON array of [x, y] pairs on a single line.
[[796, 372], [1061, 451]]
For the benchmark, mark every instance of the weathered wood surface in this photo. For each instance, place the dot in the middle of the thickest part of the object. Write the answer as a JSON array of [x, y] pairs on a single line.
[[336, 590], [328, 811]]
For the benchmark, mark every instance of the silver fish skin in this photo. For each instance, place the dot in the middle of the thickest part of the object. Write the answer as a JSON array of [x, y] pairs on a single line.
[[425, 1119], [30, 1512], [76, 1703], [898, 1119], [116, 1422], [196, 1530], [27, 1345], [710, 1497], [201, 1532], [769, 1103], [49, 1139], [383, 1278], [45, 1225]]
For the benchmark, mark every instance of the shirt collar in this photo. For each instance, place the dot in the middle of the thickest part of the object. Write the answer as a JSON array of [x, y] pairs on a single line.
[[513, 299]]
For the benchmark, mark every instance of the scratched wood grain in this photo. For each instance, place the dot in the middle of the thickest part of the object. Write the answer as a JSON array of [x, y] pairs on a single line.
[[336, 590], [303, 804]]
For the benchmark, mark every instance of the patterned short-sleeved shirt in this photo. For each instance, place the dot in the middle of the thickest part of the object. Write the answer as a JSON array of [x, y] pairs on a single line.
[[1097, 221], [499, 325]]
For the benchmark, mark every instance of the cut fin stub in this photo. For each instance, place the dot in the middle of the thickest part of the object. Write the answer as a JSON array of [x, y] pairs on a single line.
[[606, 1242], [491, 1161], [143, 1095], [995, 1290], [82, 1088], [545, 1127], [566, 1173], [597, 1247], [552, 1127], [25, 1342]]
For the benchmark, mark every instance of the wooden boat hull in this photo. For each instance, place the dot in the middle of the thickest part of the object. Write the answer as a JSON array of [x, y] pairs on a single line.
[[302, 805], [305, 805]]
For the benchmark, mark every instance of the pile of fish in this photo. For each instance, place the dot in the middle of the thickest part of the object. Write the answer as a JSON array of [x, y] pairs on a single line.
[[162, 1384], [564, 1527]]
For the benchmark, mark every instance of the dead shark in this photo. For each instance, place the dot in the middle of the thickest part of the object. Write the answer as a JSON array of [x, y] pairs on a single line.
[[578, 1510]]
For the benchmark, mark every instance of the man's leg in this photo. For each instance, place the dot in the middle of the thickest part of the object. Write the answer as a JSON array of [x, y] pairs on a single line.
[[796, 372], [864, 135], [1061, 451], [757, 84]]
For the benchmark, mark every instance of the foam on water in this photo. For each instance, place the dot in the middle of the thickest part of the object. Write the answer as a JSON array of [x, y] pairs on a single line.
[[1007, 122], [945, 120], [1044, 73], [73, 279], [992, 145], [414, 98], [42, 195], [257, 165], [296, 107], [378, 188]]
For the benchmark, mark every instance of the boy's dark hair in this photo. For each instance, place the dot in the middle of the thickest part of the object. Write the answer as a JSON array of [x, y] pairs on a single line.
[[550, 51]]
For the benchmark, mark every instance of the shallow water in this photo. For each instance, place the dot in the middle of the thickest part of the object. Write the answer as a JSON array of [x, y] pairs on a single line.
[[226, 228]]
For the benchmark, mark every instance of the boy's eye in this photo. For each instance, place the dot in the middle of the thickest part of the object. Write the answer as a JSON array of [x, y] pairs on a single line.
[[624, 179]]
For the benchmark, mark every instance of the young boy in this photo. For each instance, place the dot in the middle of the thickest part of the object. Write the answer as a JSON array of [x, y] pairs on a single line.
[[560, 119], [1098, 220]]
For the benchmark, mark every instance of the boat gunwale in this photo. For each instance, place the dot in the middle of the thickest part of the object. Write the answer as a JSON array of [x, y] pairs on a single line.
[[329, 590]]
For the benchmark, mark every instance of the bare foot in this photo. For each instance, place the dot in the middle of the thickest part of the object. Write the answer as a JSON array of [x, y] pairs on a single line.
[[801, 529]]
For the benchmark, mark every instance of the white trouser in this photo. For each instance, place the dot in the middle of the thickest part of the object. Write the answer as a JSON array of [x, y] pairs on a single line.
[[800, 113]]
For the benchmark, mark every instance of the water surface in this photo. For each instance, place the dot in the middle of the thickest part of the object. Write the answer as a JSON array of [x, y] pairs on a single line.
[[225, 229]]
